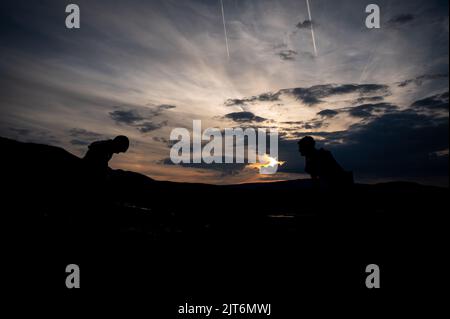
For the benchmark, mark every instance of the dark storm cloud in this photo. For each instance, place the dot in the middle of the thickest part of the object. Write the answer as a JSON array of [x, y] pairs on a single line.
[[287, 55], [147, 127], [422, 78], [314, 94], [129, 117], [141, 122], [367, 99], [166, 107], [361, 111], [235, 102], [367, 110], [396, 144], [304, 125], [438, 101], [159, 109], [244, 117], [304, 25], [328, 113], [401, 19], [267, 97], [314, 124], [264, 97]]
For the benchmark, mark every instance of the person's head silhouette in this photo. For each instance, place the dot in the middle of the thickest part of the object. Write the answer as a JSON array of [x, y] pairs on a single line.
[[100, 152], [306, 146], [121, 144]]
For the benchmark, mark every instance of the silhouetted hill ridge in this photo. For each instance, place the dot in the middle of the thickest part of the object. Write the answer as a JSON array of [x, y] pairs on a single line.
[[32, 158], [48, 190]]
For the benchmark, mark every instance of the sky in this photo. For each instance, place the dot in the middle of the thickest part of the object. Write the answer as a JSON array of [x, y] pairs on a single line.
[[376, 98]]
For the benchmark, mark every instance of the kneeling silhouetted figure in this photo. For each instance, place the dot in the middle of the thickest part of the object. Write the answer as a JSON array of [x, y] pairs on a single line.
[[322, 166], [101, 152]]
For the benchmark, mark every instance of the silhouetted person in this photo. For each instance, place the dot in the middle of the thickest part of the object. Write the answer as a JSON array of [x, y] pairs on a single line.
[[322, 166], [101, 152]]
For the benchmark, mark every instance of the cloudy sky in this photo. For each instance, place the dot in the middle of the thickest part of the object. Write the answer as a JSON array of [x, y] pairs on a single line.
[[378, 98]]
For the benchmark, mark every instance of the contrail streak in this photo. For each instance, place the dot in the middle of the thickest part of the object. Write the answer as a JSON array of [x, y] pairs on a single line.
[[225, 29], [312, 28], [366, 66]]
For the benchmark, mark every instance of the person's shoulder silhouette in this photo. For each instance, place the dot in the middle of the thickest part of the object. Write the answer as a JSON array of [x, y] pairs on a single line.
[[101, 152]]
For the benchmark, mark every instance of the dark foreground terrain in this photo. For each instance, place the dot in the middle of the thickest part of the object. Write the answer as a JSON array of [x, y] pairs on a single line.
[[164, 244]]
